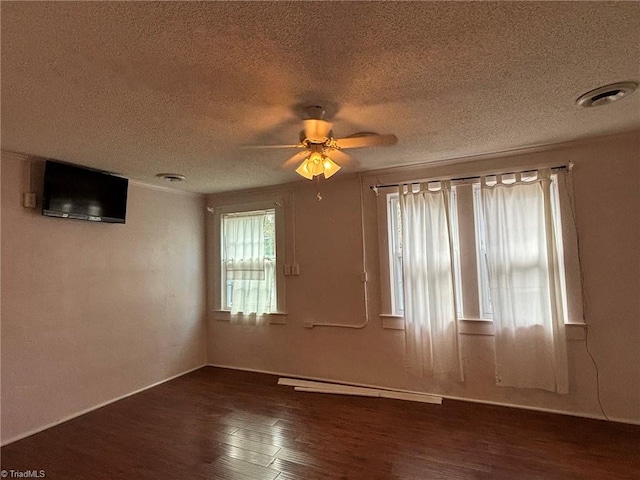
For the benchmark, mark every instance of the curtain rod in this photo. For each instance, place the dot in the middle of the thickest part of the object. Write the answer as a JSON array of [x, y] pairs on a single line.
[[568, 166]]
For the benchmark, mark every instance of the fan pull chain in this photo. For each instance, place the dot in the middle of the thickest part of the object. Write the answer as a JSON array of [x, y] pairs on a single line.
[[318, 196]]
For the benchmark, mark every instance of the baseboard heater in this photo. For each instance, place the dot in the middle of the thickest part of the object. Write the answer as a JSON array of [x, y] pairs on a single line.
[[338, 389]]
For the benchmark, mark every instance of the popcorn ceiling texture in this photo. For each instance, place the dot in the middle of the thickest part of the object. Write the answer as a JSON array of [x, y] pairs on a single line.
[[145, 87]]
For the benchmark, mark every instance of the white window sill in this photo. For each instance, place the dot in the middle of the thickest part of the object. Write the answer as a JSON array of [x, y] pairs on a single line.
[[478, 326], [392, 322], [275, 318]]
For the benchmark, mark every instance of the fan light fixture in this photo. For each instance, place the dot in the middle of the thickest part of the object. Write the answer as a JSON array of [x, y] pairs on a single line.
[[317, 163], [316, 140]]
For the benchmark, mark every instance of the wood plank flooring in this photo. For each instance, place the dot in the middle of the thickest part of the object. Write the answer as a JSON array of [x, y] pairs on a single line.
[[228, 425]]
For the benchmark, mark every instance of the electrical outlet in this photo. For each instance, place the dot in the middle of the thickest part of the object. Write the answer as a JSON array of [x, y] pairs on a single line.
[[295, 269], [29, 200], [308, 324], [287, 269]]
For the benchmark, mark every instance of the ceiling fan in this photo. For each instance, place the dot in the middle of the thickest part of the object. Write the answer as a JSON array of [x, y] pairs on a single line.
[[320, 150]]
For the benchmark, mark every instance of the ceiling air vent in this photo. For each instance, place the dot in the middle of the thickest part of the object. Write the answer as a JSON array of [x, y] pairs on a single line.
[[171, 177], [606, 94]]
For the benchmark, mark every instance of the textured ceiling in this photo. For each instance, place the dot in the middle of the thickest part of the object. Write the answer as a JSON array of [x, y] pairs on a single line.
[[145, 87]]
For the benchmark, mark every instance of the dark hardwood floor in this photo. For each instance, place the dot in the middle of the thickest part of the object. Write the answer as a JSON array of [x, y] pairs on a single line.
[[224, 424]]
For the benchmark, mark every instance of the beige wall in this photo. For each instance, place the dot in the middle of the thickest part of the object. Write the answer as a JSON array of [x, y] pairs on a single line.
[[92, 311], [328, 245]]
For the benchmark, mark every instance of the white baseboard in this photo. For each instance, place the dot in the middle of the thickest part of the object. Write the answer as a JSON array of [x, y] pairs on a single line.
[[461, 399], [96, 407]]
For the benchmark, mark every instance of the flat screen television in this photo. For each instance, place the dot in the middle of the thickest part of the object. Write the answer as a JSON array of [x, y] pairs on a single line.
[[77, 192]]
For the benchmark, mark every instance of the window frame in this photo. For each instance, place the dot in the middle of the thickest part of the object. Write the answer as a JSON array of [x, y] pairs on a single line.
[[482, 268], [216, 275], [395, 257]]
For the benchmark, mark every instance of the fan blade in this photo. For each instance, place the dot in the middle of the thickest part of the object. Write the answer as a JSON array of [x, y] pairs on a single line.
[[367, 141], [317, 130], [338, 156], [295, 158], [262, 147]]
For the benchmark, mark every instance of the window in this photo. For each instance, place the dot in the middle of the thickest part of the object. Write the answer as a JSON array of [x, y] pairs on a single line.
[[395, 252], [248, 254], [248, 259], [484, 294], [473, 297]]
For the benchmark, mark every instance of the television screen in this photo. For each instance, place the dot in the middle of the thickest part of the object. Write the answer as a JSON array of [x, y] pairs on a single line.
[[81, 193]]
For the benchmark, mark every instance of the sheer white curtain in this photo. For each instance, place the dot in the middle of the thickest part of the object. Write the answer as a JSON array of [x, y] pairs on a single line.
[[252, 273], [525, 276], [431, 329]]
